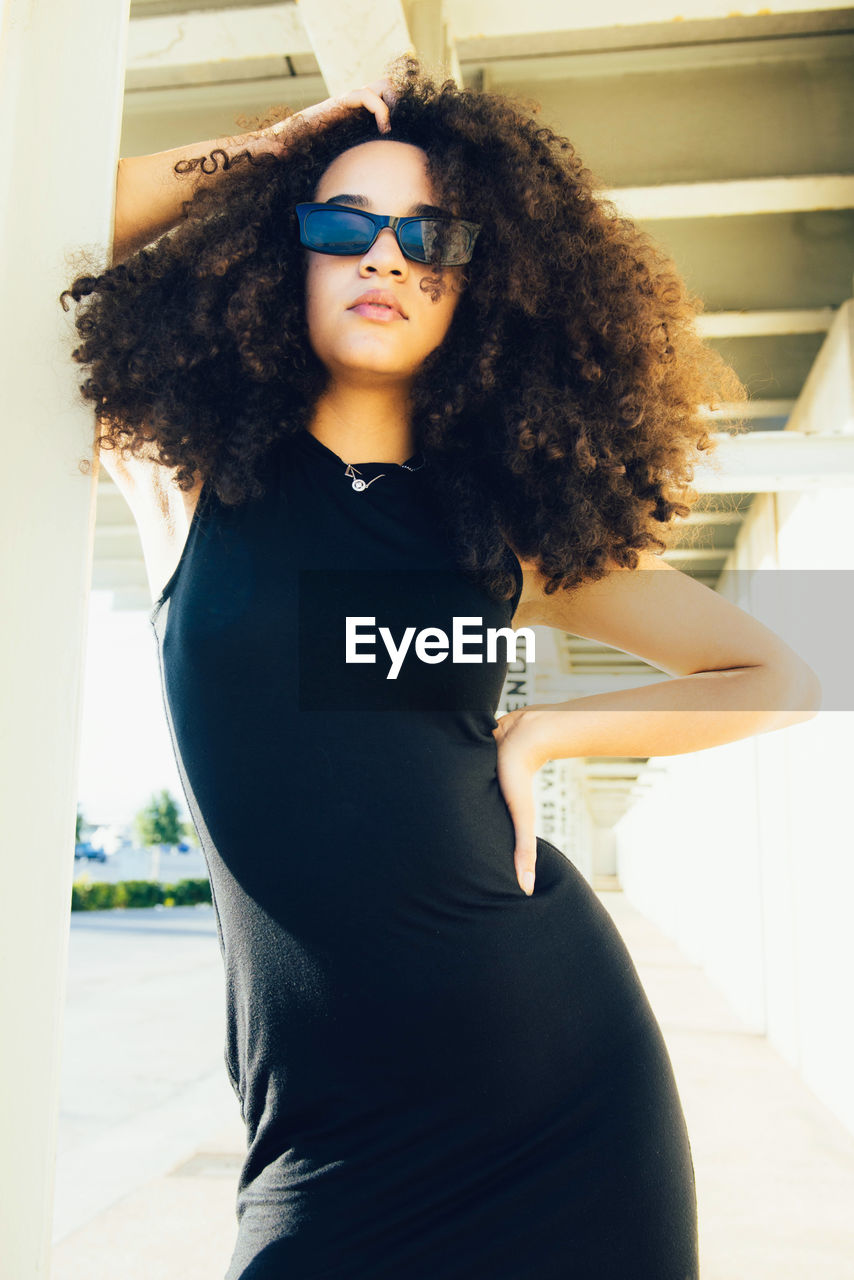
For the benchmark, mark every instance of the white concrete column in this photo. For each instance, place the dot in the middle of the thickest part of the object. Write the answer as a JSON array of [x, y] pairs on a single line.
[[352, 42], [61, 86], [432, 35]]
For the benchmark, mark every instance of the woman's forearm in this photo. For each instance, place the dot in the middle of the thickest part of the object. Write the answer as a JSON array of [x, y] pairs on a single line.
[[675, 716], [150, 195]]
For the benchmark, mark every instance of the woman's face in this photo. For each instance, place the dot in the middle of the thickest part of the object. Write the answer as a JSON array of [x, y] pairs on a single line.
[[392, 177]]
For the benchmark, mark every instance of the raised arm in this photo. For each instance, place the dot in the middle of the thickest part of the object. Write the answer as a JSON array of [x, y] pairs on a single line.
[[150, 194]]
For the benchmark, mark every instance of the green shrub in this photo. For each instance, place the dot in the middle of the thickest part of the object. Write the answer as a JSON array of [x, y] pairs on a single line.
[[98, 895]]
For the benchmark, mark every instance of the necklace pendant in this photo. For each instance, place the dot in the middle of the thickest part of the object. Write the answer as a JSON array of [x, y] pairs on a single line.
[[358, 483]]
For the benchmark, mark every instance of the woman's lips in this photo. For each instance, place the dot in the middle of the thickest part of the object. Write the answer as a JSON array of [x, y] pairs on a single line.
[[373, 311]]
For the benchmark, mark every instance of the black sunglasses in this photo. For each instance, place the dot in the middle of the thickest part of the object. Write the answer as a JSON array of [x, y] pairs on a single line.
[[339, 229]]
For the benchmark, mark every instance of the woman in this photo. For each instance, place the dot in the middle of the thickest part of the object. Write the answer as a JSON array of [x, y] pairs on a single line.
[[444, 1057]]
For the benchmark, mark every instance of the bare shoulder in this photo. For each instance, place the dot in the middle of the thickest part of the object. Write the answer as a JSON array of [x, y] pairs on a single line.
[[162, 512], [576, 610]]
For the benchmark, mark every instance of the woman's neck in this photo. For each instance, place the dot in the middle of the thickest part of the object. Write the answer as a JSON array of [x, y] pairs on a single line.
[[361, 424]]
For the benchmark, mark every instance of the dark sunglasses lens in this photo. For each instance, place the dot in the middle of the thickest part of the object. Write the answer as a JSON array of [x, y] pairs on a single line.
[[336, 231], [436, 240], [432, 240]]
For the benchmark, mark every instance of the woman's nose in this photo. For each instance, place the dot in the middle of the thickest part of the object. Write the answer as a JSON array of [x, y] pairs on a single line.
[[386, 249]]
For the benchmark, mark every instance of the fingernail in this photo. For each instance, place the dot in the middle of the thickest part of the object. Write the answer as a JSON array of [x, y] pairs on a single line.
[[527, 880]]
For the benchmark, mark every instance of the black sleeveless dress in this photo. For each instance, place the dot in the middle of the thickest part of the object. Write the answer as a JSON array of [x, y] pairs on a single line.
[[440, 1076]]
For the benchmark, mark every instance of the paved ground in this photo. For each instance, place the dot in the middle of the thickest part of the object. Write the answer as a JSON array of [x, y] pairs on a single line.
[[150, 1135]]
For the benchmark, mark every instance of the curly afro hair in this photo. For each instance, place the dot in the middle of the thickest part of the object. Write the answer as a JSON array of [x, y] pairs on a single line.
[[564, 411]]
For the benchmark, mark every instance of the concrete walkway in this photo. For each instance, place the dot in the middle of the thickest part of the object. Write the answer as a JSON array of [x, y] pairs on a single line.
[[149, 1156], [774, 1166]]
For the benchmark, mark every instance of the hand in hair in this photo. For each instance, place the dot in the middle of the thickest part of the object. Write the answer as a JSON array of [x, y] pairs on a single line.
[[376, 97]]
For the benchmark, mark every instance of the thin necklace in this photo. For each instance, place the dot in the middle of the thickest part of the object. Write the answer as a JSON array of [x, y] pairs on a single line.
[[360, 485]]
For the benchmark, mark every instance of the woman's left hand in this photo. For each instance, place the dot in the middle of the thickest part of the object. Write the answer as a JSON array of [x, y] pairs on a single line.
[[519, 758]]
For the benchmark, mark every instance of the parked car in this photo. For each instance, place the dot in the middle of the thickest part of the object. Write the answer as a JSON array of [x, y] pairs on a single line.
[[85, 849]]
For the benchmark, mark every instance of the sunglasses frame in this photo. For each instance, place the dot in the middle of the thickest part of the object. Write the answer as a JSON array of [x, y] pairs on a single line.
[[380, 221]]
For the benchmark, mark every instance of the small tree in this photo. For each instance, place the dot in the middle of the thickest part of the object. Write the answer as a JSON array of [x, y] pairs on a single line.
[[81, 823], [159, 822]]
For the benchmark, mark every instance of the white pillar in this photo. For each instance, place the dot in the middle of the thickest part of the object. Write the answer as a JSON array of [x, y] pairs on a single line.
[[352, 42], [61, 86]]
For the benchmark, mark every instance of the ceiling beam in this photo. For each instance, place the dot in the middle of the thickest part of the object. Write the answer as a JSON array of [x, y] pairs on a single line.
[[711, 517], [213, 41], [776, 461], [692, 554], [799, 194], [755, 324], [750, 409], [508, 17], [574, 55], [629, 766]]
